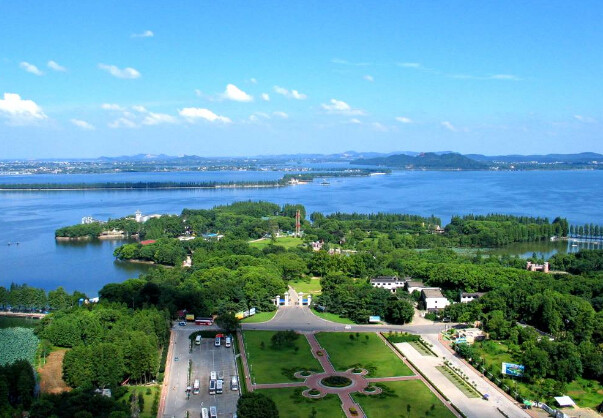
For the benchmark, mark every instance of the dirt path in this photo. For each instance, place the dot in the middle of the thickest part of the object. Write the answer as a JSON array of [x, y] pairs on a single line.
[[51, 374]]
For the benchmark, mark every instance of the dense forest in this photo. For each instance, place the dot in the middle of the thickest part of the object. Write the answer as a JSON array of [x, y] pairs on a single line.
[[427, 160]]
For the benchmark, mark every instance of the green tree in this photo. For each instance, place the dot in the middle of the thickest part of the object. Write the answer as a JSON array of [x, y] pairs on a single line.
[[256, 405]]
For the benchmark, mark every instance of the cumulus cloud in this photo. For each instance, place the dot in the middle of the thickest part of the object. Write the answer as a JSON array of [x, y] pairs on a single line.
[[403, 119], [292, 94], [19, 111], [195, 113], [157, 118], [341, 107], [145, 34], [83, 124], [122, 123], [127, 72], [140, 109], [30, 68], [253, 80], [53, 65], [232, 92], [265, 97], [111, 106], [449, 126], [368, 78], [280, 114]]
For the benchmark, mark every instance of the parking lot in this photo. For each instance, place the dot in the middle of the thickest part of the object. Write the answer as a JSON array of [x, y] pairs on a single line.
[[204, 358]]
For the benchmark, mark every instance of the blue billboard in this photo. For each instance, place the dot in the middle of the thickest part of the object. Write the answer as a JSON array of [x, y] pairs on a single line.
[[511, 369]]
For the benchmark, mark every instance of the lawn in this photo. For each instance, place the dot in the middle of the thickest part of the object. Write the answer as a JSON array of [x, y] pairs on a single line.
[[586, 393], [369, 353], [291, 404], [269, 365], [287, 242], [259, 317], [311, 285], [148, 393], [332, 317], [409, 398]]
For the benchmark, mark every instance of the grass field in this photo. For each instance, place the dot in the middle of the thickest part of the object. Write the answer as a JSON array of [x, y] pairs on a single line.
[[409, 398], [370, 353], [259, 317], [332, 317], [287, 242], [148, 398], [291, 404], [586, 393], [51, 374], [276, 366], [311, 285]]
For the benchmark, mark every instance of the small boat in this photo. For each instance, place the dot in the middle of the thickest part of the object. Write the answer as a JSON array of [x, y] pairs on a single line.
[[324, 182]]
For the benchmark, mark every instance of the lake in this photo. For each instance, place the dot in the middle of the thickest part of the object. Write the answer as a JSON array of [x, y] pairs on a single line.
[[31, 218]]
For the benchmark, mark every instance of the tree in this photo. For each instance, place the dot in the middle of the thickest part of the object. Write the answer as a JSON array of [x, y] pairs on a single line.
[[399, 311], [228, 322], [284, 339], [256, 405]]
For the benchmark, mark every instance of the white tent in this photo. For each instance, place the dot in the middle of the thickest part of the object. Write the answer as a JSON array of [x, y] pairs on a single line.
[[565, 401]]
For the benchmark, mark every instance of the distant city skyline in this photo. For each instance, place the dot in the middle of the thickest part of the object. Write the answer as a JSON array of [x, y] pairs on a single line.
[[84, 80]]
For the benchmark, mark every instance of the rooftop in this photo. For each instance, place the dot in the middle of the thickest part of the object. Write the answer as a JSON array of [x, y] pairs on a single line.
[[433, 293]]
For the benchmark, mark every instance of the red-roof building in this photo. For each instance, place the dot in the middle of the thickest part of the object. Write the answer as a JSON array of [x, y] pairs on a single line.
[[148, 241]]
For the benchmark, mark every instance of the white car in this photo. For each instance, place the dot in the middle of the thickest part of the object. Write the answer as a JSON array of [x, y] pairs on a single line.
[[348, 327]]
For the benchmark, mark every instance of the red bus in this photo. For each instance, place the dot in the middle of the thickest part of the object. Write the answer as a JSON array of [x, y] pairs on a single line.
[[204, 321]]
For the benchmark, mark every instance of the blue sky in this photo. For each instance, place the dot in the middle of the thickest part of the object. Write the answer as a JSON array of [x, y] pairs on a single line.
[[84, 79]]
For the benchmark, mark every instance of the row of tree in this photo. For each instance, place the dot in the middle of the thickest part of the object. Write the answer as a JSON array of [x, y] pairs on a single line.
[[26, 298]]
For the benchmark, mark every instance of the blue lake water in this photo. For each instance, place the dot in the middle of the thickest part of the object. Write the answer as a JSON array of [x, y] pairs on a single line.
[[30, 218]]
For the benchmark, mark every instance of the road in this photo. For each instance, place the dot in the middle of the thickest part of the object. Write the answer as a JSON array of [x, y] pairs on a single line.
[[300, 318]]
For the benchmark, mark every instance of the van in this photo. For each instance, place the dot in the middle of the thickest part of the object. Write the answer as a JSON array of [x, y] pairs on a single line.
[[196, 387], [213, 412], [217, 342], [219, 386], [212, 387], [204, 413], [198, 340], [234, 383], [213, 376], [228, 342]]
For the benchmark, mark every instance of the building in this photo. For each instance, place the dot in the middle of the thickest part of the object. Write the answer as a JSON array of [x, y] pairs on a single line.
[[412, 285], [391, 283], [537, 267], [434, 300], [470, 335], [140, 218], [468, 297]]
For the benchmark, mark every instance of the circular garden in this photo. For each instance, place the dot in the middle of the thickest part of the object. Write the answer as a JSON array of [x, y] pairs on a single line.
[[336, 381]]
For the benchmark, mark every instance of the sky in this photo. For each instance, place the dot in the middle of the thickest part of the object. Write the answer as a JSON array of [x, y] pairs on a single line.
[[243, 78]]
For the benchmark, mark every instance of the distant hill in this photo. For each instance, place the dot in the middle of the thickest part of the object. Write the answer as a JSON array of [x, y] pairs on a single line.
[[583, 157], [428, 160]]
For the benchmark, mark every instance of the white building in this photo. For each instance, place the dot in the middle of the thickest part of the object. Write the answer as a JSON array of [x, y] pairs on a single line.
[[434, 300], [468, 297], [391, 283]]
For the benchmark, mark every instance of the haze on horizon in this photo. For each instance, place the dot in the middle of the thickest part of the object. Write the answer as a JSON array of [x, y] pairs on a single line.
[[238, 78]]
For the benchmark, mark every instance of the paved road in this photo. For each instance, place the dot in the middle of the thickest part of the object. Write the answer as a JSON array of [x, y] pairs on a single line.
[[301, 318]]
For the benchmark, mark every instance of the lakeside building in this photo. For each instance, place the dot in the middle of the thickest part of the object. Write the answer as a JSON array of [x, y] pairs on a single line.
[[434, 300], [140, 218], [537, 267], [391, 283]]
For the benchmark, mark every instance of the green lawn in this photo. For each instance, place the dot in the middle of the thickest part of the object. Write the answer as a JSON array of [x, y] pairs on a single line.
[[276, 366], [292, 404], [287, 242], [147, 412], [259, 317], [409, 398], [311, 285], [371, 354], [332, 317], [586, 393]]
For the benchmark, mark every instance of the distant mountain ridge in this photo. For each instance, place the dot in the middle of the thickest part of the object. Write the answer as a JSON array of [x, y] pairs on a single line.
[[583, 157], [428, 160]]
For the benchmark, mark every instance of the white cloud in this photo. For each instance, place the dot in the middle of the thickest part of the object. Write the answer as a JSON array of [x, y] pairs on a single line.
[[111, 106], [403, 119], [145, 34], [345, 62], [140, 109], [30, 68], [232, 92], [368, 78], [449, 126], [507, 77], [122, 123], [53, 65], [585, 119], [19, 111], [127, 72], [341, 107], [194, 113], [379, 127], [157, 118], [253, 80], [280, 114], [504, 77], [265, 97], [355, 121], [409, 64], [292, 94], [198, 93], [83, 124]]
